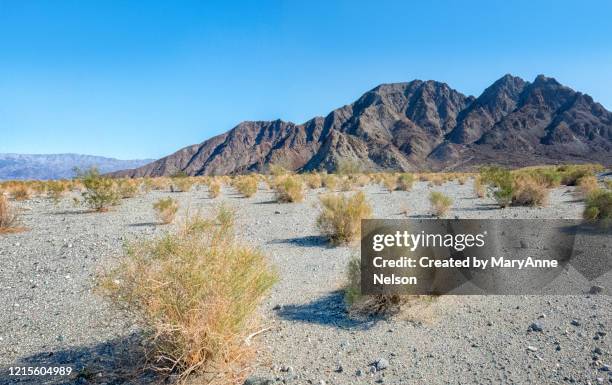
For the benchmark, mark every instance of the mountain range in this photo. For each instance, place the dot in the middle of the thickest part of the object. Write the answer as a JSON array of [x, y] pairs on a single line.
[[58, 166], [415, 126]]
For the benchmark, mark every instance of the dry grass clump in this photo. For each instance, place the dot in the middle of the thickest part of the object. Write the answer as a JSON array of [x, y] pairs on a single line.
[[288, 189], [9, 220], [56, 190], [440, 203], [479, 187], [598, 206], [181, 184], [195, 293], [587, 185], [166, 209], [329, 181], [529, 191], [21, 192], [341, 215], [390, 182], [214, 188], [373, 305], [246, 185], [347, 184], [313, 180], [570, 174], [405, 182], [100, 192], [127, 188]]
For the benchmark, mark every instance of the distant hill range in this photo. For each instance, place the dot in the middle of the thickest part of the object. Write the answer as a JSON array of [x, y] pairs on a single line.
[[419, 125], [58, 166]]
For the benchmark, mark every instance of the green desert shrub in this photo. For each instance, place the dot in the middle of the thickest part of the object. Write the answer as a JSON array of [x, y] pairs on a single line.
[[598, 206], [586, 185], [500, 184], [440, 203], [390, 182], [127, 188], [341, 215], [166, 209], [56, 190], [100, 192], [405, 182], [329, 181], [194, 292], [181, 183]]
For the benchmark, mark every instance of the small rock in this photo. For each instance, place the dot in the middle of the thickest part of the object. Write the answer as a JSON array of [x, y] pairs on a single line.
[[258, 381], [605, 368], [596, 289], [277, 212], [372, 369], [598, 351], [381, 364], [575, 322], [532, 348], [321, 382], [277, 307], [535, 327], [524, 244], [359, 373]]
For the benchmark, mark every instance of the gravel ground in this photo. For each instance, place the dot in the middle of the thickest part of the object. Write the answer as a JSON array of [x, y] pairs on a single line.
[[49, 314]]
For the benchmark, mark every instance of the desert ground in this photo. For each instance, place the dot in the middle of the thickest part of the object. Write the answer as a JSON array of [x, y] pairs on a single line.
[[50, 315]]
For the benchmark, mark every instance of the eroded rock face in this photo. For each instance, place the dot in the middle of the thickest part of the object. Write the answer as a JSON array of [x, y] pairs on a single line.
[[419, 125]]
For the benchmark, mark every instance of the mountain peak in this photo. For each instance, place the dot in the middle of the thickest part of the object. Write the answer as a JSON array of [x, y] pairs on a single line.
[[416, 125]]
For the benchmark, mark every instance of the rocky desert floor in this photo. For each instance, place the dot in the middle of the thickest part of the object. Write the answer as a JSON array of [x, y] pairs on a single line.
[[50, 315]]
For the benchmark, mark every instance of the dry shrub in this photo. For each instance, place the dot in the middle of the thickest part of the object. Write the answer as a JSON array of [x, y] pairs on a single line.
[[9, 220], [194, 324], [374, 305], [390, 182], [462, 179], [21, 192], [598, 206], [246, 185], [166, 209], [360, 180], [405, 182], [346, 184], [181, 184], [56, 190], [587, 185], [436, 180], [608, 184], [341, 215], [329, 181], [288, 188], [529, 191], [159, 184], [479, 187], [440, 203], [313, 180], [127, 188], [570, 174], [214, 188]]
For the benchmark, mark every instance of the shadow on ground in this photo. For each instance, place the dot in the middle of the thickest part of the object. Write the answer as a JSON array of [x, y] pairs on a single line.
[[114, 362], [306, 241], [328, 310]]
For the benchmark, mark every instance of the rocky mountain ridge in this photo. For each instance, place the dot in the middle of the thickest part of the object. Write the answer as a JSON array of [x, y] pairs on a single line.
[[415, 126]]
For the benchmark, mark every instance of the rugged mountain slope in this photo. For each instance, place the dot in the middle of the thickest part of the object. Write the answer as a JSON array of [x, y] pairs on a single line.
[[57, 166], [415, 126]]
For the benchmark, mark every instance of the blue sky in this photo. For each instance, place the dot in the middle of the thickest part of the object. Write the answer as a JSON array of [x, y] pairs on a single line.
[[141, 79]]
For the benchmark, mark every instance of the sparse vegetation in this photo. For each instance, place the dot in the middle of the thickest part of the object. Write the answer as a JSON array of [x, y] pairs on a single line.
[[313, 180], [181, 183], [9, 220], [214, 188], [195, 324], [479, 187], [100, 192], [127, 188], [246, 185], [440, 203], [390, 182], [329, 181], [348, 167], [166, 209], [598, 206], [529, 191], [587, 185], [56, 190], [21, 192], [500, 183], [288, 188], [340, 217], [405, 182]]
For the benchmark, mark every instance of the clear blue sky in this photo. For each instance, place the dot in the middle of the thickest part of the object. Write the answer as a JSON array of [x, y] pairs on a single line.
[[136, 79]]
